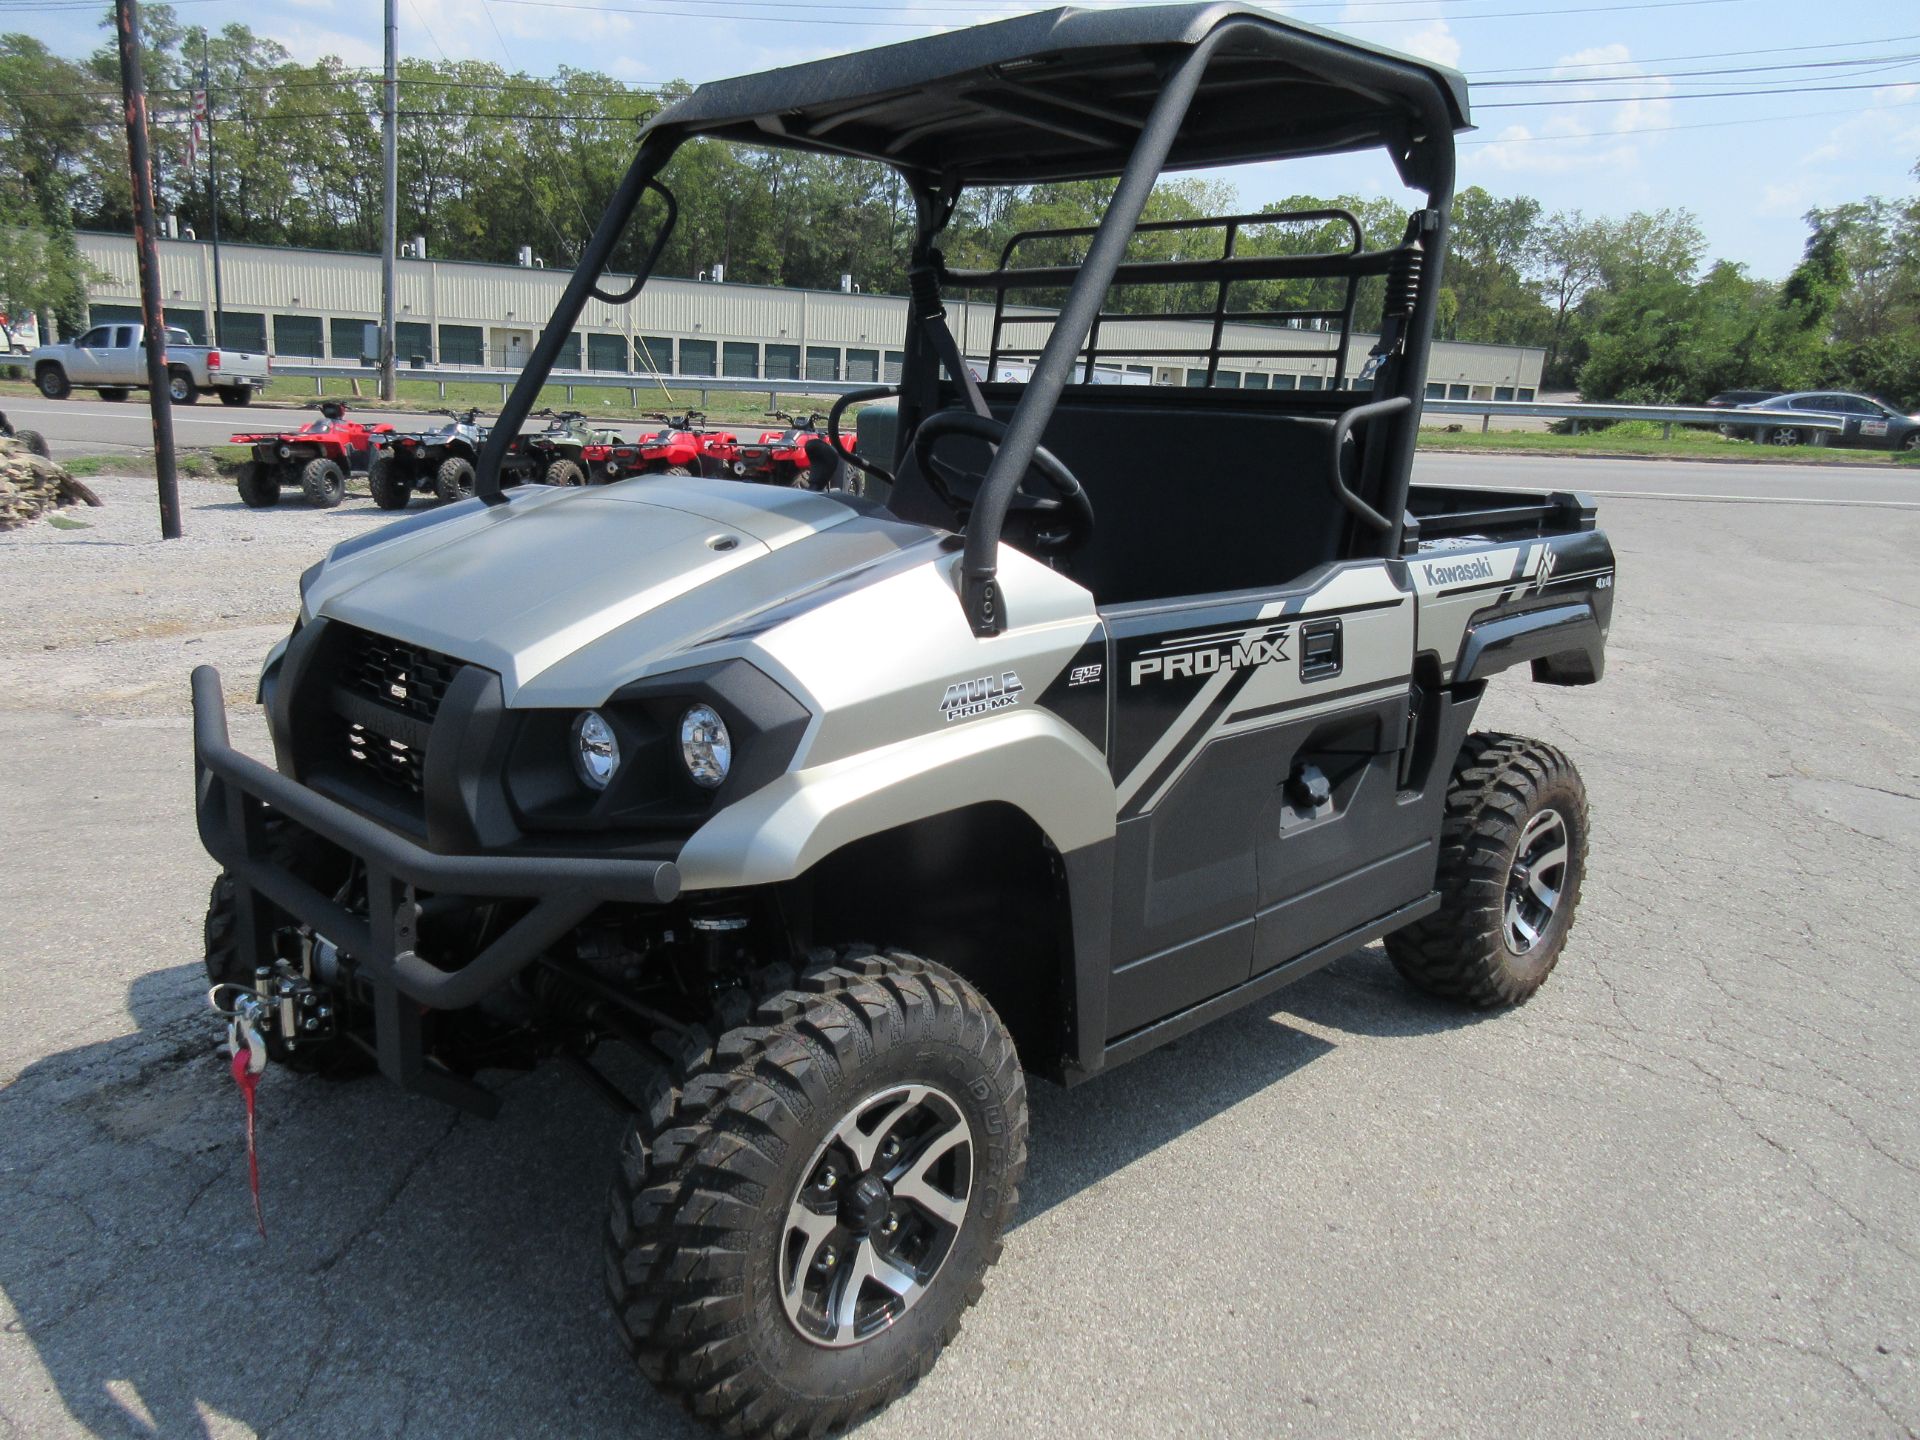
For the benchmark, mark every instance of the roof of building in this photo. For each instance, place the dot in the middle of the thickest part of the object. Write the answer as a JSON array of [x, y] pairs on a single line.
[[1063, 94]]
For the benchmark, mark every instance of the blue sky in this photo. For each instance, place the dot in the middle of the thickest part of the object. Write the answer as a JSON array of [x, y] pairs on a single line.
[[1621, 132]]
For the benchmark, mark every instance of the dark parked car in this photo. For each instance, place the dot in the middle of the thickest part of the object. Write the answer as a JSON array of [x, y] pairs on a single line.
[[1865, 421]]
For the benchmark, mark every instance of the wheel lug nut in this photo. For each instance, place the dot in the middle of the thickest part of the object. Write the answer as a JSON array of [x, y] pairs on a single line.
[[828, 1259], [892, 1225], [829, 1178]]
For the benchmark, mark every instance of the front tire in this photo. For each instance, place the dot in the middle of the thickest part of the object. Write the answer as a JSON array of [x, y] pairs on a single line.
[[324, 483], [1513, 851], [806, 1207], [259, 485], [53, 382], [391, 486], [454, 479]]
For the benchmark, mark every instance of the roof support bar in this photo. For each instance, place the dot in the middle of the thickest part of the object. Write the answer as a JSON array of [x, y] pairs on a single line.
[[654, 153], [979, 594]]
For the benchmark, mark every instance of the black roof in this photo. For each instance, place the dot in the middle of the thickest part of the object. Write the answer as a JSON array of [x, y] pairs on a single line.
[[1061, 94]]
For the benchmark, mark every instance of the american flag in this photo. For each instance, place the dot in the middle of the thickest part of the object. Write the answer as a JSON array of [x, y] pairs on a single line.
[[193, 130]]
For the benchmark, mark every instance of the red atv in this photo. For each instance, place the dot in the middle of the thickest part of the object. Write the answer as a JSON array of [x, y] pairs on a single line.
[[780, 457], [317, 457], [685, 447]]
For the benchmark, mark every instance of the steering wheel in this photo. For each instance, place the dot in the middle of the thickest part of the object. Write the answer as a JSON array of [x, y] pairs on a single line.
[[1055, 524]]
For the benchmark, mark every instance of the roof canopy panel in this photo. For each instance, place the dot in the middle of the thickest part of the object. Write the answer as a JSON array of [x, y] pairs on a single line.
[[1063, 94]]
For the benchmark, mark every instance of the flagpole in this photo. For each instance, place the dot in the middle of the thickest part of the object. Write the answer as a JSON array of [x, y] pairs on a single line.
[[213, 190]]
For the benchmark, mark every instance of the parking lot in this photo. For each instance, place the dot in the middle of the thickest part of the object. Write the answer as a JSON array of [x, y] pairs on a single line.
[[1677, 1194]]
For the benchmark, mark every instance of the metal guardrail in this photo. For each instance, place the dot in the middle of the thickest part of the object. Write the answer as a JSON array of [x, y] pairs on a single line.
[[680, 386], [636, 385], [1666, 415]]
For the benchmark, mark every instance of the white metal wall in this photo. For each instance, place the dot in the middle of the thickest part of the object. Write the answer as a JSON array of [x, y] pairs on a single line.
[[271, 281]]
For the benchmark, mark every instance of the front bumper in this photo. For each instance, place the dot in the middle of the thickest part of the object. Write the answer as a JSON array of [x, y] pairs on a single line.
[[230, 791]]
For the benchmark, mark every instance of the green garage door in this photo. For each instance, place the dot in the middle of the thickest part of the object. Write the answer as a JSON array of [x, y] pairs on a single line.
[[411, 338], [696, 357], [654, 354], [783, 362], [243, 330], [462, 345], [822, 363], [740, 359], [347, 339], [298, 337], [607, 352]]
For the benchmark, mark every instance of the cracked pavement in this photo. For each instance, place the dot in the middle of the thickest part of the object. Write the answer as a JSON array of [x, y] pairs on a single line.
[[1674, 1195]]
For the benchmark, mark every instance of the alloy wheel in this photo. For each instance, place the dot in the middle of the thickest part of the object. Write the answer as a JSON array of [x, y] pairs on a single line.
[[1534, 884]]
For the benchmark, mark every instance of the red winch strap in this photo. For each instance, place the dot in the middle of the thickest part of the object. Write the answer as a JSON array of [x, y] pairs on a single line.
[[248, 1081]]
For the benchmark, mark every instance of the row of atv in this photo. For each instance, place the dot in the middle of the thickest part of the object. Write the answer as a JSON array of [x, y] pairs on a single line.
[[318, 458]]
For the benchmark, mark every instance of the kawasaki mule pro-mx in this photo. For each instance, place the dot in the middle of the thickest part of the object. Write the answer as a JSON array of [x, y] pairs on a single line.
[[847, 810]]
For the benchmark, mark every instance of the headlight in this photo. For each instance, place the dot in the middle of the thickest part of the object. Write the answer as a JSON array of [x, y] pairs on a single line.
[[705, 746], [596, 754]]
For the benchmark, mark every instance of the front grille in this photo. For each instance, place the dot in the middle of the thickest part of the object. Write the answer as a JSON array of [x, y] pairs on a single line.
[[393, 762], [387, 695], [409, 678]]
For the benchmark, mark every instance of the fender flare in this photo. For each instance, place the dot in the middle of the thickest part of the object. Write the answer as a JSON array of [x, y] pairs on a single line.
[[1029, 759], [1564, 643]]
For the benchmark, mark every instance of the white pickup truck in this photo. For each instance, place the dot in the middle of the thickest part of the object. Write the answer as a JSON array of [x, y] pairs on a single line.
[[112, 359]]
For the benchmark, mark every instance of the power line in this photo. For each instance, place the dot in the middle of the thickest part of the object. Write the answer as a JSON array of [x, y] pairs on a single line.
[[1695, 125], [1684, 95], [1709, 55], [1640, 75]]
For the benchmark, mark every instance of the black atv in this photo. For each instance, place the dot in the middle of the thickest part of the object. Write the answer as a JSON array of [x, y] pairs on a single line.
[[435, 462]]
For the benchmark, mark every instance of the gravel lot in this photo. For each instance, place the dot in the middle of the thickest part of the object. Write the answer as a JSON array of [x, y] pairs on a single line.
[[1678, 1194]]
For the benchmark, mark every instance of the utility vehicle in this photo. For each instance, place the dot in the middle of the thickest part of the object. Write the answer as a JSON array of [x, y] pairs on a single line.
[[846, 811], [317, 457], [438, 462], [782, 457]]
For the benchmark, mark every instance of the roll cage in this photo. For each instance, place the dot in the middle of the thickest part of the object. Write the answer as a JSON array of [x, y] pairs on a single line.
[[1075, 95]]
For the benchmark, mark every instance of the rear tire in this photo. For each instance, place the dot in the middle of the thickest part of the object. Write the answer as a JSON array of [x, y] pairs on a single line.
[[454, 479], [53, 382], [113, 392], [1513, 851], [181, 389], [324, 483], [391, 487], [1783, 435], [259, 485], [564, 472], [741, 1188]]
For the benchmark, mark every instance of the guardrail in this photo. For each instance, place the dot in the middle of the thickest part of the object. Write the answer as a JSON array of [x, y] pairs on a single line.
[[1664, 415], [1822, 427], [635, 385]]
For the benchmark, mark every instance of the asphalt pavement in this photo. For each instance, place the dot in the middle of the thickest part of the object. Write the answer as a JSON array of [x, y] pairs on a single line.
[[1674, 1195]]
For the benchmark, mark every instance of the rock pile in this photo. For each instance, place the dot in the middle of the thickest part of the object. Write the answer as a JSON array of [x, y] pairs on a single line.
[[31, 484]]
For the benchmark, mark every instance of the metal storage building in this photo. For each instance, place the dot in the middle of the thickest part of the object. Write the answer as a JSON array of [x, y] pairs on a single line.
[[315, 305]]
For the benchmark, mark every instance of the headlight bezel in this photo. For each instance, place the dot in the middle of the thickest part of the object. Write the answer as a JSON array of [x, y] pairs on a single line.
[[596, 750], [706, 745]]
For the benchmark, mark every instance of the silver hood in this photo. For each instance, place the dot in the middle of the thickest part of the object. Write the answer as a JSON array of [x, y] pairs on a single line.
[[639, 572]]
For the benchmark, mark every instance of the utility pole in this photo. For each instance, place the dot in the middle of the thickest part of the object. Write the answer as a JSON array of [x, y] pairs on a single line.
[[213, 191], [389, 225], [133, 88]]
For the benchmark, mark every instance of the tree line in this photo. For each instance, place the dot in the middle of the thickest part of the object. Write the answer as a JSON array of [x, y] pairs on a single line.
[[1627, 308]]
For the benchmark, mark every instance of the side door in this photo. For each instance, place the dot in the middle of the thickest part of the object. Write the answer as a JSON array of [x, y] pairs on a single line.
[[126, 362], [85, 360], [1251, 733]]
